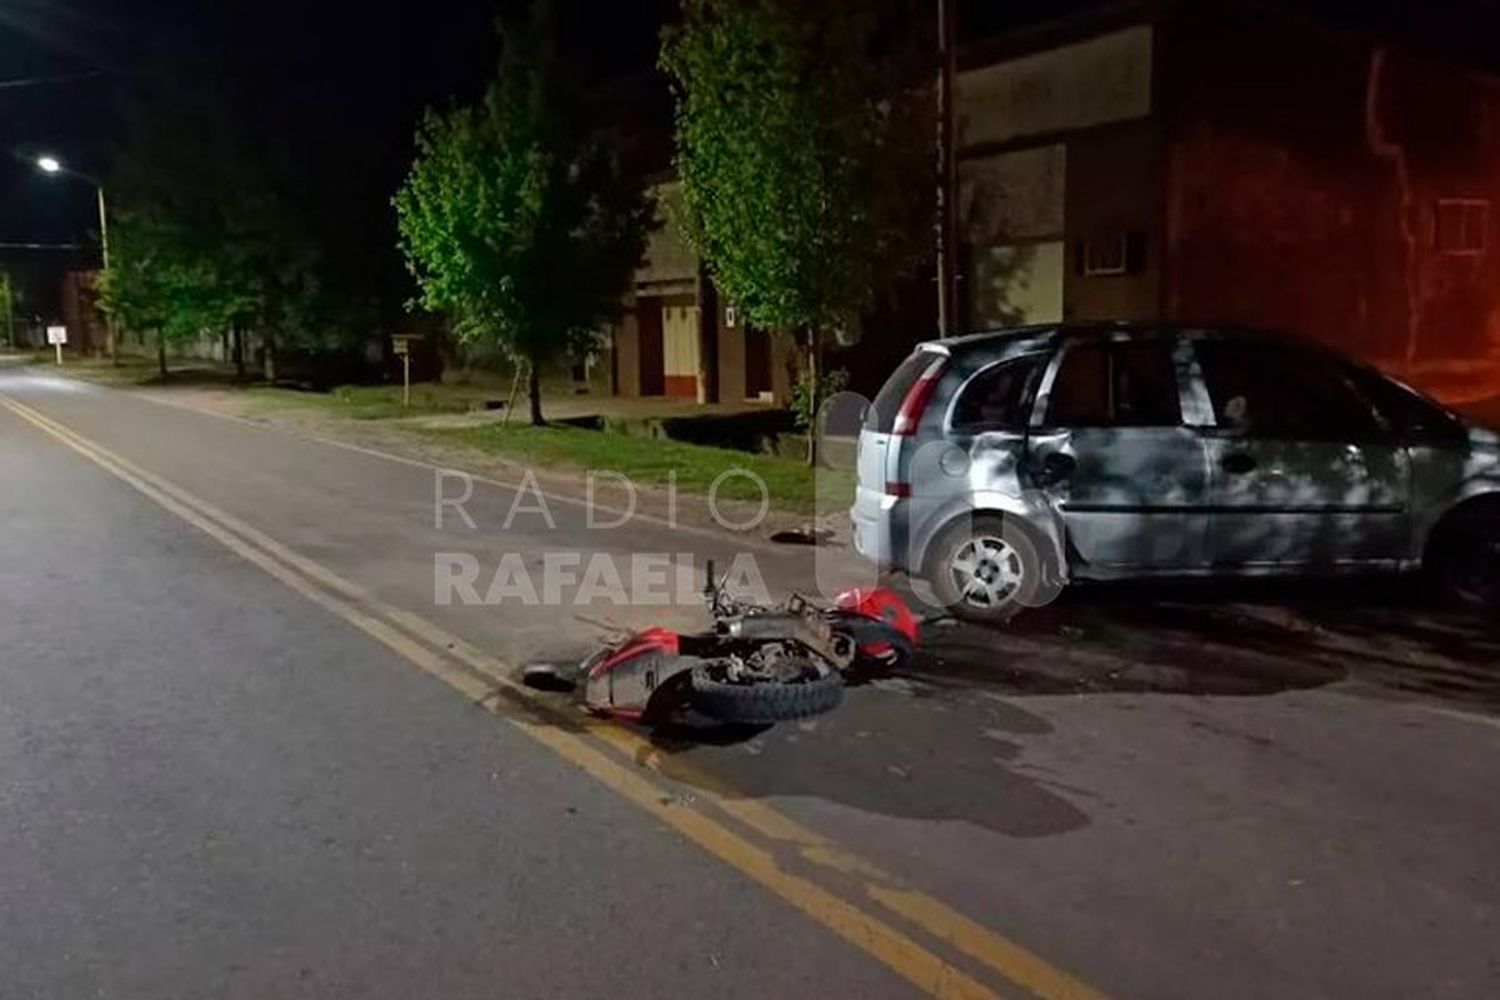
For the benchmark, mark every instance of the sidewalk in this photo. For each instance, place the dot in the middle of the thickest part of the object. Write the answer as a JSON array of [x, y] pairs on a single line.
[[447, 442]]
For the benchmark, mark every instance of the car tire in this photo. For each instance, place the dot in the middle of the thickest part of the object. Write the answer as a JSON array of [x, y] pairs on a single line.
[[1465, 556], [988, 569]]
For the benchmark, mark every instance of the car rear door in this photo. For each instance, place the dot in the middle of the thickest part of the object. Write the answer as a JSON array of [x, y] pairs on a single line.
[[1111, 448], [1305, 473]]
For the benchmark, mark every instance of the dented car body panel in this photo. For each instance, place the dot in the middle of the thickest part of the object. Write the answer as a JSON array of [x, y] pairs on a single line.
[[1134, 450]]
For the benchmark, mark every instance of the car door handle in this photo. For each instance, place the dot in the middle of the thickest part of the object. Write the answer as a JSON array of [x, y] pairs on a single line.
[[1237, 463], [1056, 467]]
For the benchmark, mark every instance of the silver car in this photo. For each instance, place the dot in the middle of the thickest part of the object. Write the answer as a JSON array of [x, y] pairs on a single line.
[[1003, 466]]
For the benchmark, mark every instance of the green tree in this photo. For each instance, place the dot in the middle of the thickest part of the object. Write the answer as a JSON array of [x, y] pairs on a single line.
[[784, 112], [515, 218], [162, 281], [8, 299], [203, 239]]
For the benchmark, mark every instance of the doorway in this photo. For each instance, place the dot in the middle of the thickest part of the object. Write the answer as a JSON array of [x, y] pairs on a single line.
[[649, 331], [757, 363]]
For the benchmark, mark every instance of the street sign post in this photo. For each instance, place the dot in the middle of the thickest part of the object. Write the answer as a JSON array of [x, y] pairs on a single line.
[[57, 336], [401, 345]]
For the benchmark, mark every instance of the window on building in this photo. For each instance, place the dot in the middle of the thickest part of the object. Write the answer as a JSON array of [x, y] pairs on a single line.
[[1462, 226], [1112, 253], [1132, 384]]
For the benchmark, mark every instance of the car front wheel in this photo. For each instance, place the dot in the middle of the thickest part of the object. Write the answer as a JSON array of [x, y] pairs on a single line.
[[1467, 556]]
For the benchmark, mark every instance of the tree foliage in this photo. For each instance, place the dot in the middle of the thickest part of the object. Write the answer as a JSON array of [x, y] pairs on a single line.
[[203, 236], [515, 218], [9, 301], [158, 284], [785, 115]]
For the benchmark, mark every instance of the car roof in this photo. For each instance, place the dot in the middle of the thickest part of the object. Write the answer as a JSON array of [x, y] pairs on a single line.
[[1042, 333]]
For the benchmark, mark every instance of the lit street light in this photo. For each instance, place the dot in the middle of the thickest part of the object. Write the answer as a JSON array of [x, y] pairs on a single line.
[[49, 164]]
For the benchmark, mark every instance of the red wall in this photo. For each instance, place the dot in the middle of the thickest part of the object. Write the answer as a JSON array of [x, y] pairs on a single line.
[[1303, 172]]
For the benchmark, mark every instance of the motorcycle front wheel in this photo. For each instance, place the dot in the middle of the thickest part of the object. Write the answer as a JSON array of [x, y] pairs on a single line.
[[761, 703]]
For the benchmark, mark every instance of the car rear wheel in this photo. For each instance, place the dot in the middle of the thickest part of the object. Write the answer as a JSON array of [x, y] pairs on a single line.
[[1467, 556], [986, 569]]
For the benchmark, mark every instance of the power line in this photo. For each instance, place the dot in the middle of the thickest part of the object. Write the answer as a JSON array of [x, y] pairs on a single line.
[[41, 246], [41, 81]]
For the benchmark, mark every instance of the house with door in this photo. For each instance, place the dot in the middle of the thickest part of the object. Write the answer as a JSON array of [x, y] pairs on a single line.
[[678, 338], [1234, 163]]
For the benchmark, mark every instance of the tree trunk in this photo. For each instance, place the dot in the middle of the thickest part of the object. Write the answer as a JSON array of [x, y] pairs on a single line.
[[269, 342], [708, 338], [813, 396], [510, 402], [237, 348], [161, 353], [534, 390]]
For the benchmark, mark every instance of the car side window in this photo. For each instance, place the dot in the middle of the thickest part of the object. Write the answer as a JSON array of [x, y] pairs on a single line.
[[1407, 412], [1144, 380], [1125, 384], [1000, 397], [1271, 390]]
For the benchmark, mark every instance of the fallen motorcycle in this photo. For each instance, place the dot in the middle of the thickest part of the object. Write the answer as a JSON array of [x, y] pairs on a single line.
[[755, 665]]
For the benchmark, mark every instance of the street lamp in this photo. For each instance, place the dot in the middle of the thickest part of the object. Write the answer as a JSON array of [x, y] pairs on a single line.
[[49, 164]]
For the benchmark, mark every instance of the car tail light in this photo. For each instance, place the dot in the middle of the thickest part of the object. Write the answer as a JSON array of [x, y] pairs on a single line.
[[917, 397], [895, 489]]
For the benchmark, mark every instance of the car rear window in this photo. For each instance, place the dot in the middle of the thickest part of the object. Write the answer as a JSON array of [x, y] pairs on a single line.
[[881, 417]]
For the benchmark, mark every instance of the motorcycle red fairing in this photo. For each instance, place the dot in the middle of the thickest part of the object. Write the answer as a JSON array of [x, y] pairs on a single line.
[[758, 665], [620, 680]]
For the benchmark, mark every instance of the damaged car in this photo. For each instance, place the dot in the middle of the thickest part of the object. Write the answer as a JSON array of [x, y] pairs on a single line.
[[1001, 467]]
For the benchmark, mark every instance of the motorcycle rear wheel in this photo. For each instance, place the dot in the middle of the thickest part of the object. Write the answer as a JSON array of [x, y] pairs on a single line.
[[763, 703]]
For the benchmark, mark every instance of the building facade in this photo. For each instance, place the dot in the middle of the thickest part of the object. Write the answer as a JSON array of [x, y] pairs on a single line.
[[88, 331], [1224, 163], [679, 339]]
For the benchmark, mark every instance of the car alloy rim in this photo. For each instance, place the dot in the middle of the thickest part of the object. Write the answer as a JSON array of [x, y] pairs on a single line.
[[987, 571]]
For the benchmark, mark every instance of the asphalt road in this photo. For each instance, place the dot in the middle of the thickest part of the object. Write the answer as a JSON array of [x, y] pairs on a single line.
[[214, 785], [211, 787]]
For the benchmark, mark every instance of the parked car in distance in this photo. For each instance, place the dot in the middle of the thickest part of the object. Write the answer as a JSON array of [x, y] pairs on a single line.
[[1002, 466]]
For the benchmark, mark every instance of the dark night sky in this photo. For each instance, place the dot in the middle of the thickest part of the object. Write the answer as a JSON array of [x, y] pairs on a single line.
[[344, 82], [338, 85]]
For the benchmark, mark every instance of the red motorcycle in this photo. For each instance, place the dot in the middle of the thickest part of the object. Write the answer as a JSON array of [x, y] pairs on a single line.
[[757, 664]]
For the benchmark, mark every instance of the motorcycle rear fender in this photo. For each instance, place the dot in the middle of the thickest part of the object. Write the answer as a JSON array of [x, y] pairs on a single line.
[[620, 681]]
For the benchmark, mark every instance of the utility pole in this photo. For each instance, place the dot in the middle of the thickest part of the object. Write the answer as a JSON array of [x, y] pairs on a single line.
[[109, 319], [10, 310], [48, 164], [945, 230]]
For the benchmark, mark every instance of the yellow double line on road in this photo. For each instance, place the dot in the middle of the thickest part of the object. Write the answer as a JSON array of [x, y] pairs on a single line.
[[487, 681]]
